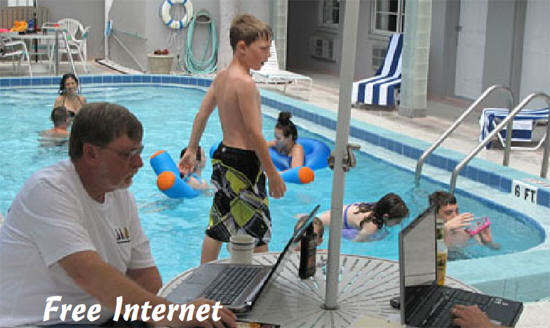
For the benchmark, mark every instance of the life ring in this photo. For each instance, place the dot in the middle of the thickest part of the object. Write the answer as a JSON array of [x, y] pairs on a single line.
[[172, 23], [168, 177], [316, 157]]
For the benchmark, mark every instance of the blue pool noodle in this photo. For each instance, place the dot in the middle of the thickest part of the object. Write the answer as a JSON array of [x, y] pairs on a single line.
[[162, 162]]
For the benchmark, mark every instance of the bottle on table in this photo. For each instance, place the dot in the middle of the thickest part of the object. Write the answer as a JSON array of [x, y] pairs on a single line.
[[441, 260], [308, 247]]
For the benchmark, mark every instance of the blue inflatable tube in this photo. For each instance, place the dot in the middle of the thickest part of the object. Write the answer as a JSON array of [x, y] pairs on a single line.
[[168, 177], [316, 157]]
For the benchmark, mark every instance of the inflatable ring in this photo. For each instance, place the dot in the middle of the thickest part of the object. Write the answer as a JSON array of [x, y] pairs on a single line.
[[168, 177], [316, 157], [169, 21]]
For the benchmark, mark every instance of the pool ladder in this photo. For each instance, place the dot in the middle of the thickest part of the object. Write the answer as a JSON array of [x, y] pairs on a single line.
[[505, 123]]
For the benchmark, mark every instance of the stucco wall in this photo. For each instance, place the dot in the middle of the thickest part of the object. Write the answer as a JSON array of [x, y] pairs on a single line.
[[142, 16]]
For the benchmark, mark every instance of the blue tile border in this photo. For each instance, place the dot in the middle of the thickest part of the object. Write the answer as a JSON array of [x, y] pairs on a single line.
[[488, 173]]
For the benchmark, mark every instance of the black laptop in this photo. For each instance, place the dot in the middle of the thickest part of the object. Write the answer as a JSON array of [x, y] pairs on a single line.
[[236, 286], [423, 302]]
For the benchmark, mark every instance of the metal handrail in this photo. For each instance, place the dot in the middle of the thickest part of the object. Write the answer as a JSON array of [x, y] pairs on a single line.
[[497, 129], [462, 117]]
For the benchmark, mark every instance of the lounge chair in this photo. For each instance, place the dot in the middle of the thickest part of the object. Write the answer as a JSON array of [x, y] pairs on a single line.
[[381, 88], [523, 126], [15, 48], [270, 73]]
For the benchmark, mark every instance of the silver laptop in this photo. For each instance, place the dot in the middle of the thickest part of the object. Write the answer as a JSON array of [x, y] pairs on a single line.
[[425, 304], [236, 286]]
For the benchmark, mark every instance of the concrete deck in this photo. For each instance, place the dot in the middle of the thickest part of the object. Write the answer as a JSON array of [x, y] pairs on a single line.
[[441, 113]]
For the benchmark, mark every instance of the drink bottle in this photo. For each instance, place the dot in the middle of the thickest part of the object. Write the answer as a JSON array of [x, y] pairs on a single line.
[[441, 252], [308, 247]]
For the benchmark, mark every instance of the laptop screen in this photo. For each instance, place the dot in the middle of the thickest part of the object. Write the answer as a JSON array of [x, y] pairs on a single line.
[[417, 260]]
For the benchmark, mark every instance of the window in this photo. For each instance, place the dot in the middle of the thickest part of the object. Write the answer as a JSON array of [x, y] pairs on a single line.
[[22, 3], [378, 56], [388, 16], [331, 13]]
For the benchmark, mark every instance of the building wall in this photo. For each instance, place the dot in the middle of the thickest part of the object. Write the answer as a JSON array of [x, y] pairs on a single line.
[[142, 16], [88, 12]]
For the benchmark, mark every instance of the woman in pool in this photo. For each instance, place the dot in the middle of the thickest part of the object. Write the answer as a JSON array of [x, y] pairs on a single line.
[[363, 221], [285, 140], [68, 95]]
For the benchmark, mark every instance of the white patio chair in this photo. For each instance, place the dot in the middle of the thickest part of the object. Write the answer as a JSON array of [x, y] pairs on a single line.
[[270, 73], [75, 47], [15, 48], [76, 39]]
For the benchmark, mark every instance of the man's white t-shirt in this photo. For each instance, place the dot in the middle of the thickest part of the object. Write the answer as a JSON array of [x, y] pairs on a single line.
[[50, 218]]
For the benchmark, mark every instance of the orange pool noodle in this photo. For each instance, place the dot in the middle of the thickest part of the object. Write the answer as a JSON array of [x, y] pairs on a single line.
[[166, 180], [306, 175]]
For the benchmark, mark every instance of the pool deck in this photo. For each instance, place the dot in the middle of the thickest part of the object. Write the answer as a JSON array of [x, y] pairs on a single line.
[[441, 113]]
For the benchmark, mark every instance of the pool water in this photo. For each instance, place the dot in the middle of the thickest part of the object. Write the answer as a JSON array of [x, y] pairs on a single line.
[[176, 227]]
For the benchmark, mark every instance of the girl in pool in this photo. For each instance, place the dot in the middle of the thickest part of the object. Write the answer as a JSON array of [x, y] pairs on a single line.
[[68, 96], [285, 140], [364, 221]]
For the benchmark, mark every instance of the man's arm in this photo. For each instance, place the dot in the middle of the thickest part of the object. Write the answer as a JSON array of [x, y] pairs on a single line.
[[187, 161], [148, 278], [249, 104], [106, 283]]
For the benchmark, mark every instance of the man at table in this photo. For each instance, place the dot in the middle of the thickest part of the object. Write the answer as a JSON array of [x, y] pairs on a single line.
[[73, 231]]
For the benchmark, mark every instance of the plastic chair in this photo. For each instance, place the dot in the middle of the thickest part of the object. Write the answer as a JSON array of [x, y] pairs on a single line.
[[13, 48], [75, 47], [76, 39], [381, 89]]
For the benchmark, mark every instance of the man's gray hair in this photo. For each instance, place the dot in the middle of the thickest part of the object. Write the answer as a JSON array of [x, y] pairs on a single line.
[[99, 124]]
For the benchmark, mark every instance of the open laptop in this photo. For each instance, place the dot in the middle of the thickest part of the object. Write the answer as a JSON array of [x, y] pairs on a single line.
[[236, 286], [423, 302]]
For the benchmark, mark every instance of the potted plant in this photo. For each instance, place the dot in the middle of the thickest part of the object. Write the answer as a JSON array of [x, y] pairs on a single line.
[[160, 61]]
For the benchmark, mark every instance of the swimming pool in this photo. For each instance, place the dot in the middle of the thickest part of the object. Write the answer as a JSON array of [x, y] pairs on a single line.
[[174, 225]]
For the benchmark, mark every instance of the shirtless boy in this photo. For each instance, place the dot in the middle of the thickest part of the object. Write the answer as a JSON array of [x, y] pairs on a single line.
[[240, 205]]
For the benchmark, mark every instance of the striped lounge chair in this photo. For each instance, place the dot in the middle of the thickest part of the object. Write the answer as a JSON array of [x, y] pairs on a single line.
[[522, 126], [380, 89]]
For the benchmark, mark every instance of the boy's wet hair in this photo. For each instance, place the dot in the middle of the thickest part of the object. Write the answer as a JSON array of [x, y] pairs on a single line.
[[99, 124], [316, 222], [59, 116], [439, 198], [248, 28], [286, 125]]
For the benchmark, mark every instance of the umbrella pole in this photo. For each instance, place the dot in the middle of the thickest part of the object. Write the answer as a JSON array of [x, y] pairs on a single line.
[[347, 68]]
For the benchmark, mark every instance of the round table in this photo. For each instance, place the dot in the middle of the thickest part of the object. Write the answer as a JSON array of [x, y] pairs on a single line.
[[366, 285]]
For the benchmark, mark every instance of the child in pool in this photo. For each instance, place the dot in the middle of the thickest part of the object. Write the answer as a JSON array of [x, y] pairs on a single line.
[[318, 229], [194, 179], [285, 143], [367, 219]]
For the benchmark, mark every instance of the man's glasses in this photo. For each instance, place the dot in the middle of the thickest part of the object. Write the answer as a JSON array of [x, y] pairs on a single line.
[[128, 155]]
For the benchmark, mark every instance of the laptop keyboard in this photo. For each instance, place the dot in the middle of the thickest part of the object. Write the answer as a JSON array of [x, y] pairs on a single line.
[[230, 283], [440, 313]]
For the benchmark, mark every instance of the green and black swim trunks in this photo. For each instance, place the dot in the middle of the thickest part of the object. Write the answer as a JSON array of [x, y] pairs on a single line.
[[240, 203]]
